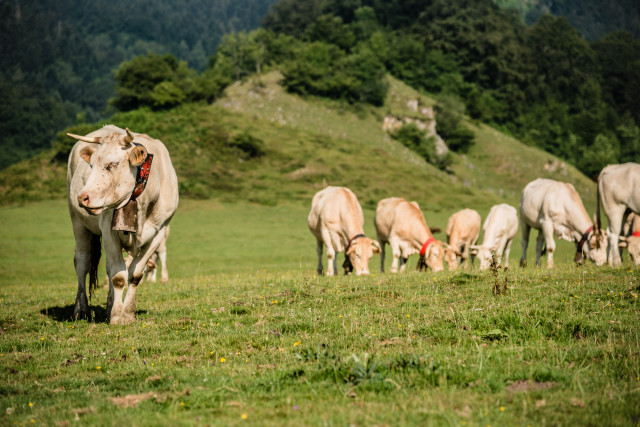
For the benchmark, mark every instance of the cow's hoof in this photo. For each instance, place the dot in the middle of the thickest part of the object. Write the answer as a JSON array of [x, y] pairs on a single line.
[[122, 320]]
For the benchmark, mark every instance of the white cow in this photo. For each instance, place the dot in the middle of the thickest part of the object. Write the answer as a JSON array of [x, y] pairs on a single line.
[[498, 230], [618, 191], [401, 224], [336, 220], [106, 172], [630, 237], [555, 207], [463, 230]]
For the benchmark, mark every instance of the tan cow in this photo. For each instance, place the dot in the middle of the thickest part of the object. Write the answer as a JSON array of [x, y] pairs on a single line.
[[618, 191], [630, 237], [336, 220], [498, 232], [401, 224], [113, 170], [463, 230], [555, 207]]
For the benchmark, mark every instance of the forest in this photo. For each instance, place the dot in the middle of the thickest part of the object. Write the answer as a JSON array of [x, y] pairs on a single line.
[[526, 70]]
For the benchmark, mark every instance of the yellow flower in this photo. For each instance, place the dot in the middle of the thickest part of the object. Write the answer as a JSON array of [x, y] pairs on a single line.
[[30, 404], [502, 409], [244, 416], [98, 367], [222, 360], [297, 343]]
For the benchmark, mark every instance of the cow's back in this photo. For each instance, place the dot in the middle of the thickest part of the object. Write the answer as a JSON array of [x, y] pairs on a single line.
[[465, 224], [501, 221], [404, 219], [548, 198], [618, 183], [334, 208]]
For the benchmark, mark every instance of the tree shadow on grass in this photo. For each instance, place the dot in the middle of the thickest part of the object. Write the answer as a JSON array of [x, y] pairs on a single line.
[[65, 314]]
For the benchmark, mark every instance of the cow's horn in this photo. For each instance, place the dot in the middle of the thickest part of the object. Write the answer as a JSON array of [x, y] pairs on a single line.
[[94, 139], [128, 139]]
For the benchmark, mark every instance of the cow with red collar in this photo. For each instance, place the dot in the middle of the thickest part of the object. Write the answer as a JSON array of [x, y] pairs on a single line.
[[555, 207], [630, 237], [463, 230], [122, 188], [618, 192], [337, 222], [401, 224]]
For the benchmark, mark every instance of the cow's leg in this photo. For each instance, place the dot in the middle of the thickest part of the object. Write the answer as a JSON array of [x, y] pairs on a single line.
[[395, 250], [136, 270], [615, 225], [403, 263], [162, 254], [465, 256], [82, 262], [525, 229], [547, 232], [319, 252], [150, 274], [507, 251], [539, 246], [382, 253], [116, 269], [331, 261]]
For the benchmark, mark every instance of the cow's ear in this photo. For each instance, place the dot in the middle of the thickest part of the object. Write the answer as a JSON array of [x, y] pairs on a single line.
[[376, 247], [352, 248], [87, 152], [137, 155]]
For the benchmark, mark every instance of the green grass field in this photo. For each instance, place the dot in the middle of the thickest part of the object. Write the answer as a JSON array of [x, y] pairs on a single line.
[[245, 333]]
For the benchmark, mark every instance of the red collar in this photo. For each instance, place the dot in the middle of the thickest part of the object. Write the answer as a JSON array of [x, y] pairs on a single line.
[[423, 251], [583, 239], [142, 176], [635, 234]]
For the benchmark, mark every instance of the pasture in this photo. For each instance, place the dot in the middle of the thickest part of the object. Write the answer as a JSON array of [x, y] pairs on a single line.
[[246, 333]]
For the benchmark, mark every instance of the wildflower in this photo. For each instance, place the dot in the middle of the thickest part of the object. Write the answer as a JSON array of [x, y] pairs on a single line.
[[297, 343], [30, 404], [41, 339], [98, 367], [408, 315], [244, 416], [222, 360], [502, 409]]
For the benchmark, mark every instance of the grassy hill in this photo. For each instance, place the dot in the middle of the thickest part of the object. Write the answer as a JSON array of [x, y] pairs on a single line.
[[261, 144]]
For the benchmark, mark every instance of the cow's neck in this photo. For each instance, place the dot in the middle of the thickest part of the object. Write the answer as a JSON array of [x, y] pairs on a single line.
[[421, 235], [579, 223], [350, 232]]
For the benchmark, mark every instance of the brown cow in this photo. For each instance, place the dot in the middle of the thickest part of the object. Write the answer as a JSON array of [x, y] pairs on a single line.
[[463, 230], [401, 224], [337, 221]]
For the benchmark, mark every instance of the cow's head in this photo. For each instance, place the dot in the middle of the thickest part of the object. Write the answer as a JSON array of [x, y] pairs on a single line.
[[451, 256], [114, 161], [484, 255], [434, 255], [595, 247], [360, 252], [632, 243]]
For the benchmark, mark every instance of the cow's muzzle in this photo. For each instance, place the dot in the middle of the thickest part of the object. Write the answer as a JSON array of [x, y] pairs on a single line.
[[84, 201]]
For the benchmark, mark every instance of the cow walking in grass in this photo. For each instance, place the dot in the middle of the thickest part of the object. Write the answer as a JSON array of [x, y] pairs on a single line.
[[498, 231], [337, 222], [619, 193], [122, 188], [555, 207], [463, 230], [401, 224]]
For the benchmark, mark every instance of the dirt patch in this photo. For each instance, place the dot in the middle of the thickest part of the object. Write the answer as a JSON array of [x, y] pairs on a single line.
[[132, 400], [523, 385]]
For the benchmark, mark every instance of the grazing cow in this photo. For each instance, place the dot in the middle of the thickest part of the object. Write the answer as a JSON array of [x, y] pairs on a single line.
[[336, 220], [498, 231], [401, 224], [630, 237], [619, 192], [116, 181], [152, 264], [555, 207], [463, 230]]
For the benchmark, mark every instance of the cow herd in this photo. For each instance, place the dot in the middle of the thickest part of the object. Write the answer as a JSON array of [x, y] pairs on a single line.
[[553, 208], [123, 191]]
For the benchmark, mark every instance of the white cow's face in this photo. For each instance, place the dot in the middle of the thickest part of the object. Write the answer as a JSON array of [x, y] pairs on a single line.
[[633, 246], [360, 252], [434, 256], [485, 256], [596, 248], [451, 258], [114, 162]]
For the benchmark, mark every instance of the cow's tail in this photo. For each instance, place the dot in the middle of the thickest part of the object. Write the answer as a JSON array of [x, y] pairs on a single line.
[[96, 249]]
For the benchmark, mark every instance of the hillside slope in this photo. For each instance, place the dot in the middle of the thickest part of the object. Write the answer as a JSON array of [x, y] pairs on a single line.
[[261, 144]]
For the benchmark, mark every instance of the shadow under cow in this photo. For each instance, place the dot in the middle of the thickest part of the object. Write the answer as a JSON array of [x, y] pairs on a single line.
[[98, 314]]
